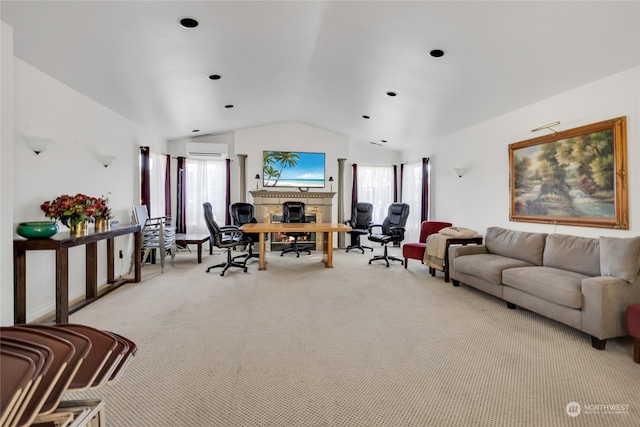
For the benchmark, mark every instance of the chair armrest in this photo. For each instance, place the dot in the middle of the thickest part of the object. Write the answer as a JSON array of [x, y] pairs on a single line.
[[232, 230], [372, 226]]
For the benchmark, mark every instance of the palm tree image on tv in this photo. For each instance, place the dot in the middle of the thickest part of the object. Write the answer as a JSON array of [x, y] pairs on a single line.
[[292, 169]]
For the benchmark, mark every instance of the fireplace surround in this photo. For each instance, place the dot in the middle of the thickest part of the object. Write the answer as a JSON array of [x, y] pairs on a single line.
[[268, 204]]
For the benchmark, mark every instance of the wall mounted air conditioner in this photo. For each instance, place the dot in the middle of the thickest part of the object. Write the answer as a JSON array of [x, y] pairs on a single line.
[[201, 150]]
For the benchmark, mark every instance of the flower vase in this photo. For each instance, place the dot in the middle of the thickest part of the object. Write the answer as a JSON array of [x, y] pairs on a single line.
[[78, 229], [102, 224]]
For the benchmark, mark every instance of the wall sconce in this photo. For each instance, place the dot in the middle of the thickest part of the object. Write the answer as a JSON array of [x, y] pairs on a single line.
[[106, 160], [257, 178], [459, 171], [38, 144], [331, 183]]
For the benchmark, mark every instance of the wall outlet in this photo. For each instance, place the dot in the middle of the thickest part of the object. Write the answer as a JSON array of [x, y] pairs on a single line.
[[120, 254]]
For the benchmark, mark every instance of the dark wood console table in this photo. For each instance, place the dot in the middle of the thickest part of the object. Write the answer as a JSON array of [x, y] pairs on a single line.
[[61, 242]]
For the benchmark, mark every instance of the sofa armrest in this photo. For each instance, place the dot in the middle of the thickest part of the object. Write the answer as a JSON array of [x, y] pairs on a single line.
[[456, 251], [605, 300]]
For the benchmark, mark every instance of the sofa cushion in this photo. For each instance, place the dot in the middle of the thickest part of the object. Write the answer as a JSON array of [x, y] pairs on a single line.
[[577, 254], [516, 244], [551, 284], [620, 257], [486, 266]]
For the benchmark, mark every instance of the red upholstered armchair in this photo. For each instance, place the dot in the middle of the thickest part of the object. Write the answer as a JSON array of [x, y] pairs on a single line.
[[416, 250]]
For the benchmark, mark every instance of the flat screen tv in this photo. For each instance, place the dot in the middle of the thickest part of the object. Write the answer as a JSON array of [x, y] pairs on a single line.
[[292, 169]]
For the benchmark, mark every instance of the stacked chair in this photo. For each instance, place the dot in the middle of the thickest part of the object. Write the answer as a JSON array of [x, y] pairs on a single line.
[[42, 362], [157, 234]]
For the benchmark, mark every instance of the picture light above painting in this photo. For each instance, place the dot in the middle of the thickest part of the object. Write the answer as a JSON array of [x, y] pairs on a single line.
[[293, 169]]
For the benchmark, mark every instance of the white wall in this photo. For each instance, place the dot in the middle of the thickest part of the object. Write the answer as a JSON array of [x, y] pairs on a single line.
[[291, 137], [6, 175], [82, 130], [481, 197]]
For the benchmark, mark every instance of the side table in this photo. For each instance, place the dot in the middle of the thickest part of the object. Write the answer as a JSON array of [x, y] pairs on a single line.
[[464, 241]]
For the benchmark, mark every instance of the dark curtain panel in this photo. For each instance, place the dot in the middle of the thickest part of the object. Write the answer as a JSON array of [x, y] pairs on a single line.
[[227, 215], [145, 177], [395, 183], [354, 187], [167, 187], [181, 220], [425, 189], [401, 179]]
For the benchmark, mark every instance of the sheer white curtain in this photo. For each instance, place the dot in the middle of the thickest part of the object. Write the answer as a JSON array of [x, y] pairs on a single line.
[[375, 186], [412, 195], [206, 181], [157, 170]]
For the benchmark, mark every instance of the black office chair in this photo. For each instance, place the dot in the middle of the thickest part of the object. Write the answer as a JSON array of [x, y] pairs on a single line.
[[294, 212], [361, 219], [392, 230], [241, 214], [226, 237]]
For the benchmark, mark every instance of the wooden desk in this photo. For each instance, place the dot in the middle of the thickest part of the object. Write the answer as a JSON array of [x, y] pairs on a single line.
[[327, 228], [61, 242], [194, 239]]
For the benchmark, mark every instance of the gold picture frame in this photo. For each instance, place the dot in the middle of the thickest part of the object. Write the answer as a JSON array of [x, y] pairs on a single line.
[[574, 177]]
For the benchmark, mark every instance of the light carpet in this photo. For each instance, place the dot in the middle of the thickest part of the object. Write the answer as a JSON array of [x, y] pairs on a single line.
[[356, 345]]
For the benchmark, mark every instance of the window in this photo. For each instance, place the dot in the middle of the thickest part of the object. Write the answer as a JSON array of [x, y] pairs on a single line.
[[412, 195], [157, 171], [205, 181], [375, 186]]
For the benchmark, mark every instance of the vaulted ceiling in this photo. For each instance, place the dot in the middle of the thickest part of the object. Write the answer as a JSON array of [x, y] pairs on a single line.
[[324, 63]]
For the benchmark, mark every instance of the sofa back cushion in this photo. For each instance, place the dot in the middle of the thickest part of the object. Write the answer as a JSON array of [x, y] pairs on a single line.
[[620, 257], [516, 244], [572, 253]]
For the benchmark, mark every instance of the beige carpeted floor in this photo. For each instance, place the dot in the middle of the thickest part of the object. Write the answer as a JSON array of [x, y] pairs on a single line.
[[356, 345]]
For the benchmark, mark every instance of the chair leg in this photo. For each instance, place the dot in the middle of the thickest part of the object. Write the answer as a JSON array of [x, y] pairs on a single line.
[[636, 350], [230, 263], [355, 244], [295, 249], [386, 257]]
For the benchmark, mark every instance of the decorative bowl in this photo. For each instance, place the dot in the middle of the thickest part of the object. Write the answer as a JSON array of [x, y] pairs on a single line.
[[37, 230]]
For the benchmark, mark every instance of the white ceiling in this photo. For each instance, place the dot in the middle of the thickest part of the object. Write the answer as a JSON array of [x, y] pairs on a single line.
[[323, 63]]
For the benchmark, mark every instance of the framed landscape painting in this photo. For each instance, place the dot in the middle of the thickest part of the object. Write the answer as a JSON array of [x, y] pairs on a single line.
[[574, 177]]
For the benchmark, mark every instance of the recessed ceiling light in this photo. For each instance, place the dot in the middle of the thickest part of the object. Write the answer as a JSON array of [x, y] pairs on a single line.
[[383, 140], [391, 93], [437, 53], [228, 106], [366, 117], [188, 22], [196, 130], [215, 77]]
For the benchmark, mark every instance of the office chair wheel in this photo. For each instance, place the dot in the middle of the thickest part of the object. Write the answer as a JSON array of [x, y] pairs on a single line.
[[298, 256], [222, 274], [245, 269]]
